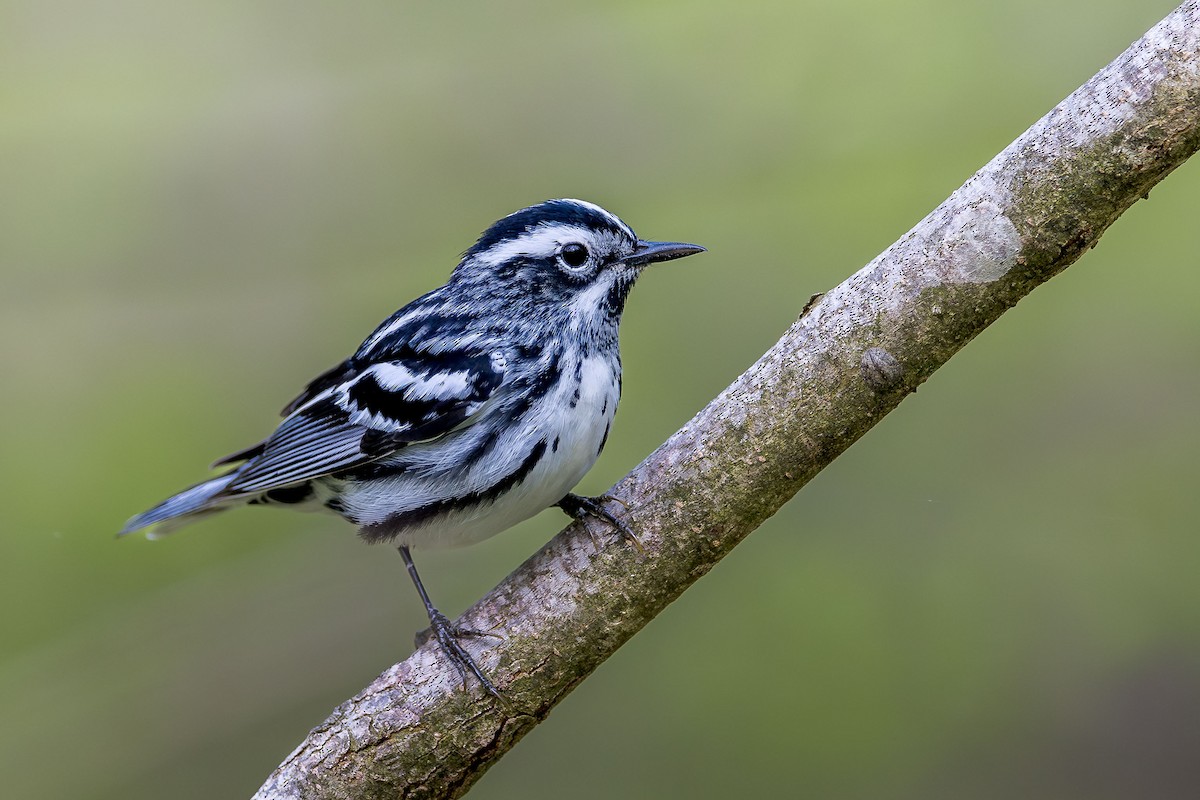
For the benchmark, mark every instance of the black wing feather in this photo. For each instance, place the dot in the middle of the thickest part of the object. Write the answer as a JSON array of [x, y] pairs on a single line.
[[250, 452], [326, 380], [350, 416], [304, 447]]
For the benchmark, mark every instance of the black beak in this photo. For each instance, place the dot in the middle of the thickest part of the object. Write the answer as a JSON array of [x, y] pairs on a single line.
[[652, 252]]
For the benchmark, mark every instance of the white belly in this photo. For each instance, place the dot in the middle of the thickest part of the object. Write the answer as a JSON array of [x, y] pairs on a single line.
[[572, 422]]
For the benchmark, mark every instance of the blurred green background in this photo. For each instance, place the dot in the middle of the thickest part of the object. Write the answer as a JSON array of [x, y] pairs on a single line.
[[994, 594]]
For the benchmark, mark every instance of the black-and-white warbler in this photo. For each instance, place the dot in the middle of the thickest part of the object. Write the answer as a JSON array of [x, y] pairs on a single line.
[[469, 410]]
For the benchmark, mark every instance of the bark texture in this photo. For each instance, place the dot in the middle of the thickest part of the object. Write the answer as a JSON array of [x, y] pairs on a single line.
[[850, 358]]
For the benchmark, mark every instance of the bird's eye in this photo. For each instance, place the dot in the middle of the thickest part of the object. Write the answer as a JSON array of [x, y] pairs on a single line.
[[574, 255]]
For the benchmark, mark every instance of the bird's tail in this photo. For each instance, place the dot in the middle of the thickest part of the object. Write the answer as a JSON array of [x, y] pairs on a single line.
[[189, 505]]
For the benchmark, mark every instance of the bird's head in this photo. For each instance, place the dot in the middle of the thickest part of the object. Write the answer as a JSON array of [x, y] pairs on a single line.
[[562, 256]]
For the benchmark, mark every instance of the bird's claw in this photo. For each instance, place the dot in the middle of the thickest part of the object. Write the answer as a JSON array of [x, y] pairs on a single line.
[[447, 636], [580, 508]]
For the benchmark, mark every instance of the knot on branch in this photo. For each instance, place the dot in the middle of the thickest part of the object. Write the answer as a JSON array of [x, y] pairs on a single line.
[[881, 371]]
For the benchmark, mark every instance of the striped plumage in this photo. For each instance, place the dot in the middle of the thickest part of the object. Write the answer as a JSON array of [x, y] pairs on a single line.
[[470, 409]]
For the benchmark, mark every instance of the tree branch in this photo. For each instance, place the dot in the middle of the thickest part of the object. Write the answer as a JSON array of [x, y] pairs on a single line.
[[846, 362]]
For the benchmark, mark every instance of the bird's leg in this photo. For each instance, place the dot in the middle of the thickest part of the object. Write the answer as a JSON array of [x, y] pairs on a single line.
[[580, 508], [446, 634]]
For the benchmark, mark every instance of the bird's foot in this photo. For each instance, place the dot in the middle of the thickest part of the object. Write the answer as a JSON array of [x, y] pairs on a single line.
[[581, 508], [448, 636]]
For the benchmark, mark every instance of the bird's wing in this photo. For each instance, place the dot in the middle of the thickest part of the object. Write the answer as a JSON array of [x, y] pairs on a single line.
[[318, 385], [370, 413]]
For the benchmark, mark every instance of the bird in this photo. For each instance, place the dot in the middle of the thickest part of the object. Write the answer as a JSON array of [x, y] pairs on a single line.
[[469, 410]]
